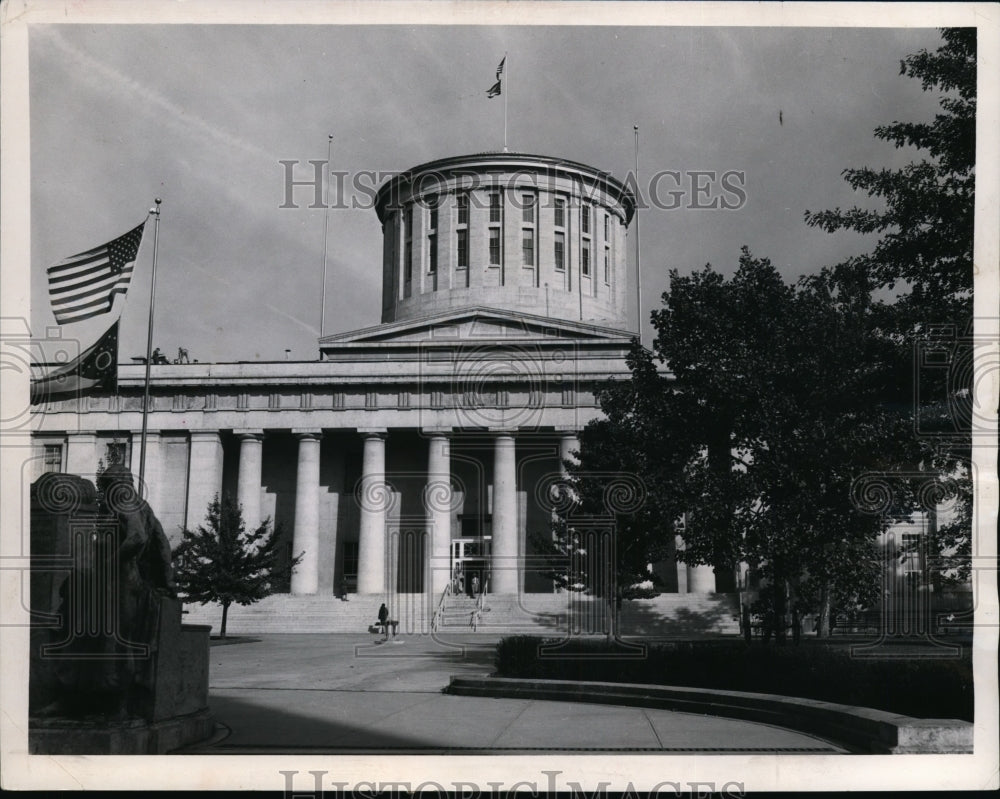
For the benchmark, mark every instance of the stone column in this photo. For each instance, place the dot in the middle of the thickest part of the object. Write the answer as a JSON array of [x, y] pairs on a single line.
[[438, 504], [305, 536], [153, 474], [504, 571], [81, 455], [700, 579], [249, 480], [680, 567], [204, 475], [568, 444], [374, 500]]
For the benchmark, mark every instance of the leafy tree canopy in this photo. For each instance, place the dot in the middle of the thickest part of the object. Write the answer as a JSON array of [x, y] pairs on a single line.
[[927, 224], [222, 561]]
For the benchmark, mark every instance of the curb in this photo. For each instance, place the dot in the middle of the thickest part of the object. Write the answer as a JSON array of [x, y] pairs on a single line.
[[862, 730]]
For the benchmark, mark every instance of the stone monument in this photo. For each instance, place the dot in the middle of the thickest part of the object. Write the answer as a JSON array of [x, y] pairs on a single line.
[[113, 670]]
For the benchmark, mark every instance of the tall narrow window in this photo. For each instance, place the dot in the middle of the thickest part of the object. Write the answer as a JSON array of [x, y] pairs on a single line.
[[53, 458], [432, 239], [528, 246], [607, 227], [560, 251], [607, 266], [494, 246], [350, 564], [585, 258], [463, 248], [494, 206], [462, 232], [560, 212], [528, 208], [408, 246], [585, 219]]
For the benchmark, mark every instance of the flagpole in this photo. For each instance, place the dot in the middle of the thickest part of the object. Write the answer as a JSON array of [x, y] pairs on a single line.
[[506, 68], [149, 349], [326, 237], [638, 271]]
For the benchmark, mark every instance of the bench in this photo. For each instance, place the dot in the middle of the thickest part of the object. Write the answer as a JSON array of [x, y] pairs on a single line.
[[383, 627]]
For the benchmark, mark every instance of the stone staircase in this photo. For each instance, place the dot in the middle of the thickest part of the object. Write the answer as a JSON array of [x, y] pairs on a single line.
[[284, 613], [668, 615]]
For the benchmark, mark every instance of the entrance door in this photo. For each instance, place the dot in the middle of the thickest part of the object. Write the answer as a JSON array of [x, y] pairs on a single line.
[[470, 562]]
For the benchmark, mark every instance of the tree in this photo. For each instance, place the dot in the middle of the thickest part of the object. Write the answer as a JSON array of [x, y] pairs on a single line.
[[625, 485], [927, 224], [223, 562], [774, 403], [925, 253], [799, 390]]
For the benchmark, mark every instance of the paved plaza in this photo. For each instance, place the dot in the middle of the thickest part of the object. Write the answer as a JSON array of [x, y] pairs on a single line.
[[315, 694]]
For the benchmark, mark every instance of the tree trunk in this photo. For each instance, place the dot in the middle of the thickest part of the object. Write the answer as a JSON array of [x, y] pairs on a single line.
[[825, 609], [779, 611], [614, 606], [225, 614]]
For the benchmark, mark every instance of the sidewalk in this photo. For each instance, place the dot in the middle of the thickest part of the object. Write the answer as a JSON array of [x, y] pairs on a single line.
[[315, 694]]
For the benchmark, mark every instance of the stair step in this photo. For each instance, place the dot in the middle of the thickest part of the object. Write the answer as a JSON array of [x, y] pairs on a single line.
[[667, 614]]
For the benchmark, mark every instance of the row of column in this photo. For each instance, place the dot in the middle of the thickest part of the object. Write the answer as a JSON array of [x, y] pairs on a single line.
[[372, 544], [205, 481], [374, 501], [204, 477], [373, 562]]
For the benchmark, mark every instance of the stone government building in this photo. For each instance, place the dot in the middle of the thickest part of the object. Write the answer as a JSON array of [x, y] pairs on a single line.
[[425, 444]]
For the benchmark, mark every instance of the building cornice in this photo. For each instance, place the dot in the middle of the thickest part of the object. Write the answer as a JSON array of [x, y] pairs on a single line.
[[510, 163]]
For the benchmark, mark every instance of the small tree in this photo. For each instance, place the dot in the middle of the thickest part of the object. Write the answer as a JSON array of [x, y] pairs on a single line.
[[223, 562]]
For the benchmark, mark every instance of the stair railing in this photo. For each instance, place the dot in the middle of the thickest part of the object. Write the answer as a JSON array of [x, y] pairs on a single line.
[[477, 614], [436, 618]]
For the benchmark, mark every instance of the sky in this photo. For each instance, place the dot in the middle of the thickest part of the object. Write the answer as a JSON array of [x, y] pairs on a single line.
[[202, 116]]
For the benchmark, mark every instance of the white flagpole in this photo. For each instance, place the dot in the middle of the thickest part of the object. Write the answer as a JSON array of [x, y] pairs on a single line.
[[638, 271], [149, 349], [506, 69], [326, 235]]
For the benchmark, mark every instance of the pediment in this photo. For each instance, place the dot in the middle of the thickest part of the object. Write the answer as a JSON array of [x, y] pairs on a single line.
[[475, 324]]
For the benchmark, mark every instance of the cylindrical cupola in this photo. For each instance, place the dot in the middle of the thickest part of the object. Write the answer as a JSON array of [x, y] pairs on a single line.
[[527, 233]]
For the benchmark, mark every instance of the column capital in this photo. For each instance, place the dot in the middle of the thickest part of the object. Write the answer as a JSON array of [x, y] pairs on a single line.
[[306, 432], [202, 435], [380, 432], [437, 432], [249, 433], [503, 432], [568, 432]]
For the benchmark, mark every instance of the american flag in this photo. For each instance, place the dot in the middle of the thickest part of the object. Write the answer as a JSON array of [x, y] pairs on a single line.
[[85, 285]]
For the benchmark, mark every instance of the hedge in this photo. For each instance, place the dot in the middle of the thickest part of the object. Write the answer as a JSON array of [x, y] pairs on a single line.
[[921, 687]]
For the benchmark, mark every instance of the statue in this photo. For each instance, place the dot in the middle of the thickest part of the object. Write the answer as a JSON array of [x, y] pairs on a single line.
[[100, 659], [112, 670]]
